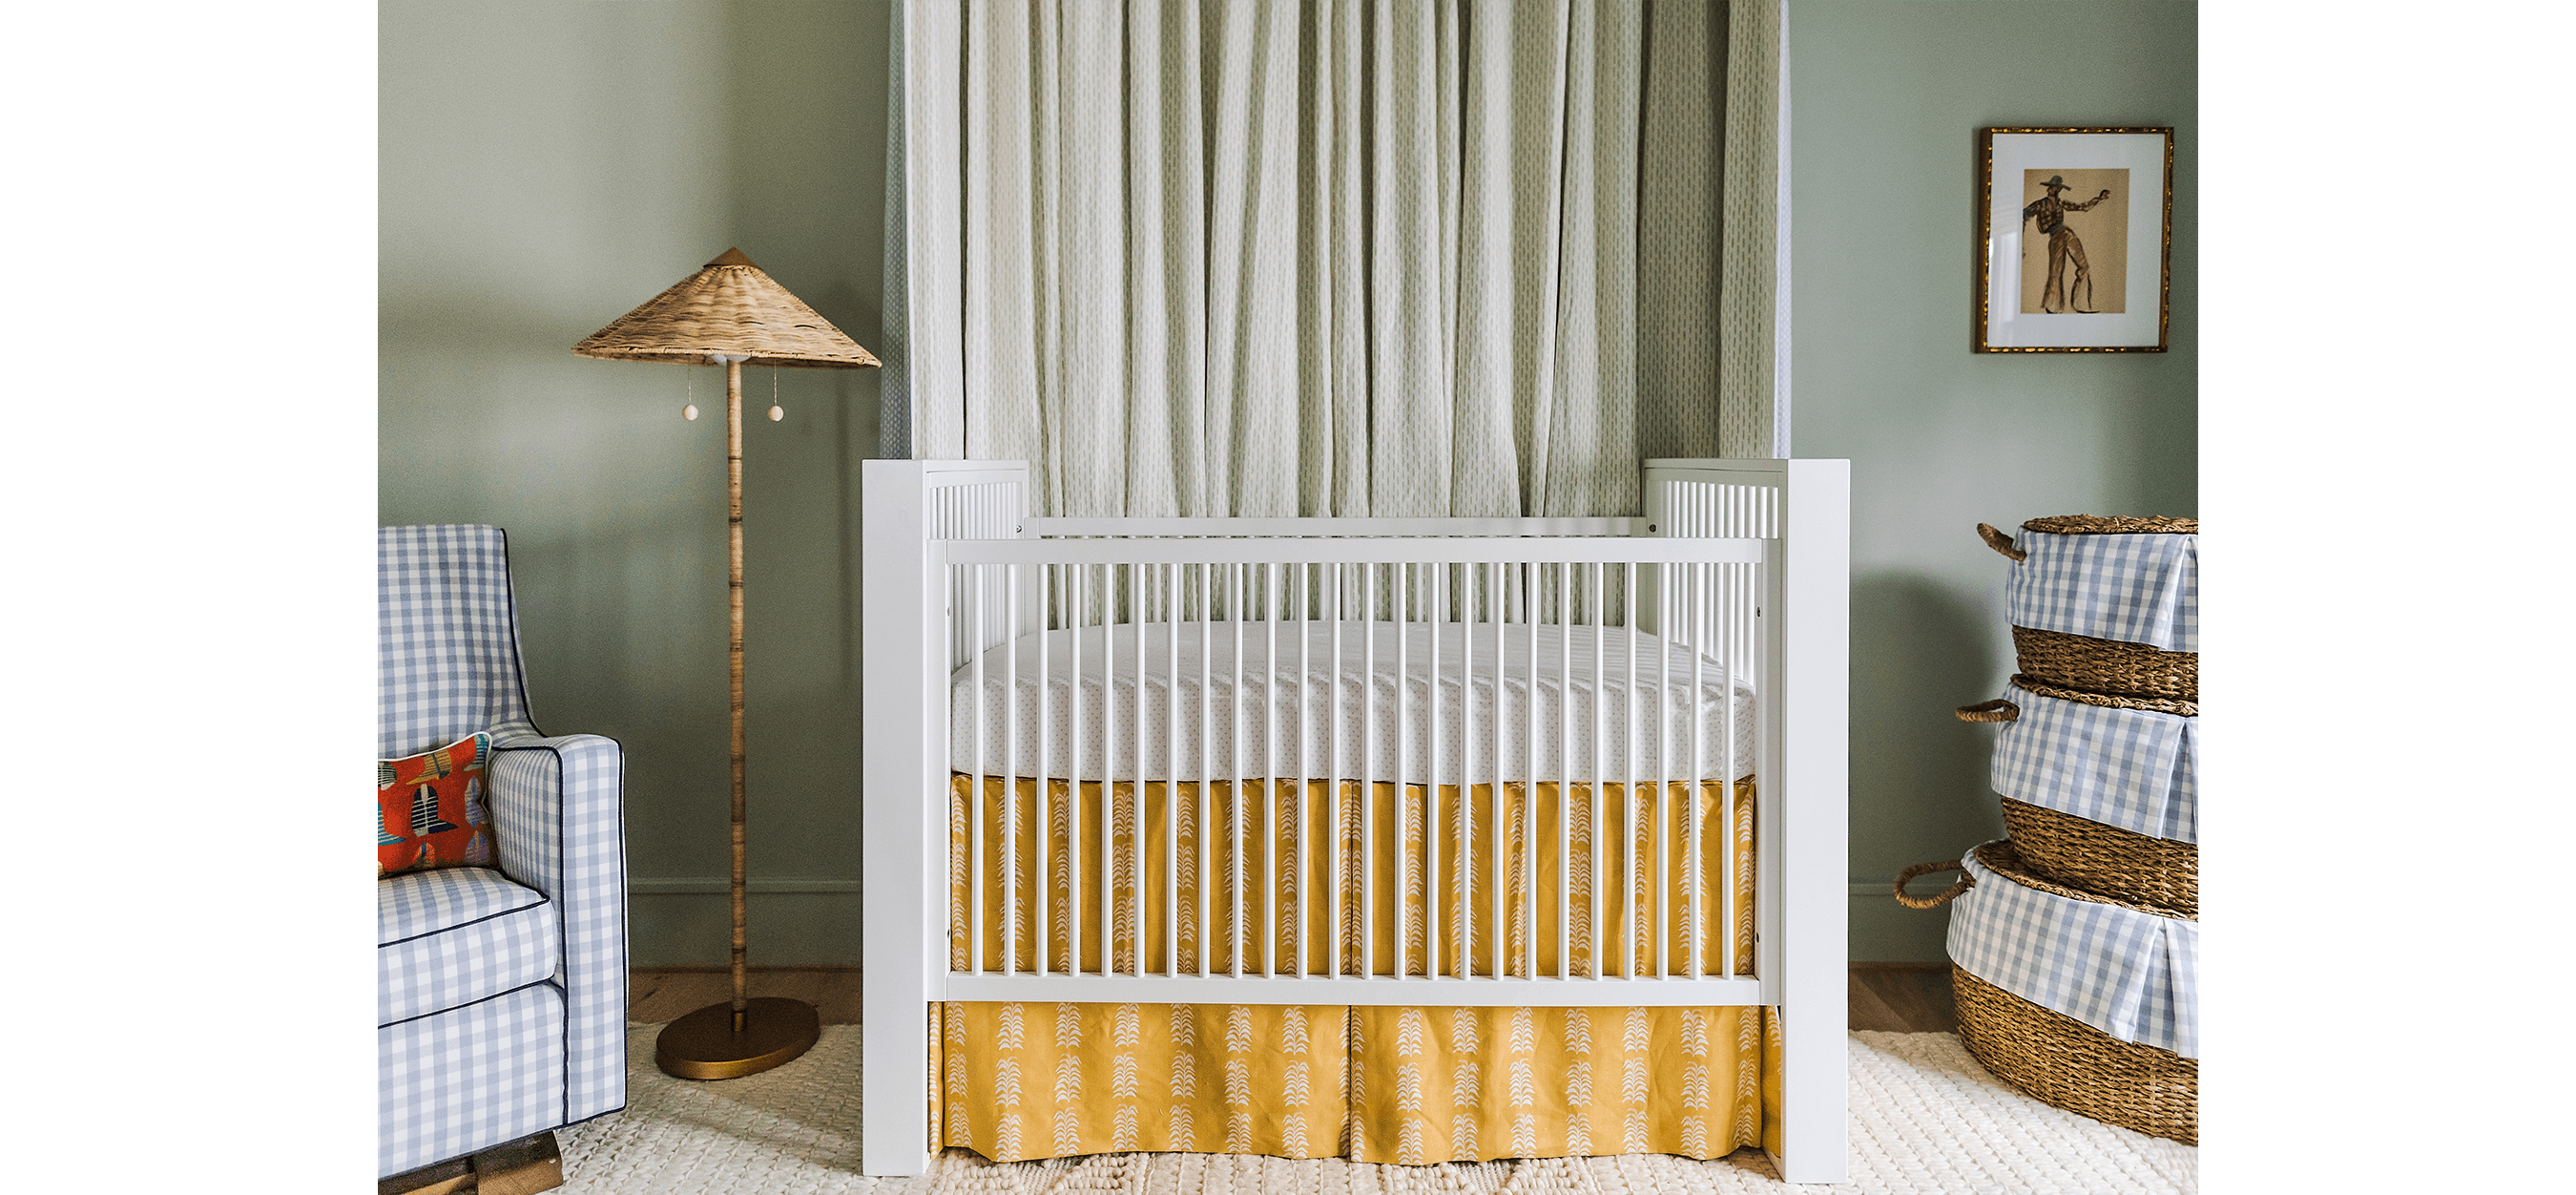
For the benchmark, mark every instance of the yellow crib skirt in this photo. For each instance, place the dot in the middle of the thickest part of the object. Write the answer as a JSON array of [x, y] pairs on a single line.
[[1017, 1081], [1688, 839]]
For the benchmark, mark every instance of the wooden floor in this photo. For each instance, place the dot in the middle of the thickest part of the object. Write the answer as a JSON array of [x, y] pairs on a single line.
[[1892, 997]]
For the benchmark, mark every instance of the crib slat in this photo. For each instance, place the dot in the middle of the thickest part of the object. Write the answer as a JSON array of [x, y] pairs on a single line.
[[1367, 760], [1235, 831], [1339, 964], [1397, 580], [1731, 617], [1660, 924], [1106, 877], [1270, 704], [1600, 745], [975, 794], [1492, 759], [1629, 694], [1437, 582], [1042, 836], [1172, 773], [1628, 790], [1205, 927], [1139, 891], [1698, 769], [1564, 764], [1068, 583], [1526, 588], [1010, 770], [1306, 881]]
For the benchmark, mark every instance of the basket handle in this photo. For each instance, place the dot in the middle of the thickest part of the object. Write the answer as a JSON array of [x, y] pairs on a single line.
[[1997, 710], [1924, 869], [2001, 542]]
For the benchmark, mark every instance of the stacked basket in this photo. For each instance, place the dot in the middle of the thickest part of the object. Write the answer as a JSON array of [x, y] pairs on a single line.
[[2074, 943]]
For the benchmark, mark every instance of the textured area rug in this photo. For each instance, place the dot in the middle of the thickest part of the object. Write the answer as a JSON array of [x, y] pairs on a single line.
[[1925, 1120]]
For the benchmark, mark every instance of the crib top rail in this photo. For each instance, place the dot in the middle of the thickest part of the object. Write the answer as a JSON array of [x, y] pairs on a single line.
[[1324, 528]]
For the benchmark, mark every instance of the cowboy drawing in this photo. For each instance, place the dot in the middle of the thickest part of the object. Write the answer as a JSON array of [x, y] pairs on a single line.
[[2051, 212]]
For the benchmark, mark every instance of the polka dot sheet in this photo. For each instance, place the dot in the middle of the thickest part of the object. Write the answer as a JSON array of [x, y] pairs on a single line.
[[1380, 708]]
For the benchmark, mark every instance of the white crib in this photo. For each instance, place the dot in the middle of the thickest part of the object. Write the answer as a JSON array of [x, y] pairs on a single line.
[[1706, 640]]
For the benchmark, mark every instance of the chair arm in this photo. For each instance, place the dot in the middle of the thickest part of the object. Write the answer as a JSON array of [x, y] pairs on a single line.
[[559, 826]]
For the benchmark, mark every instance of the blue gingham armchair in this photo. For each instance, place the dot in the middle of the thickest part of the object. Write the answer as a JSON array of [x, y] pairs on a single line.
[[500, 991]]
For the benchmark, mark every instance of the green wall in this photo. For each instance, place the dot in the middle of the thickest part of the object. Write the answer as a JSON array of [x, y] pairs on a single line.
[[1886, 97], [545, 167]]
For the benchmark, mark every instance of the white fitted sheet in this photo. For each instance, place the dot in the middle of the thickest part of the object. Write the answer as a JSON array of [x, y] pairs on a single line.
[[1380, 706]]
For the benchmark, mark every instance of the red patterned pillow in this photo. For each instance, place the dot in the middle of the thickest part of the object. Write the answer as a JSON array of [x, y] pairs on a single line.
[[430, 810]]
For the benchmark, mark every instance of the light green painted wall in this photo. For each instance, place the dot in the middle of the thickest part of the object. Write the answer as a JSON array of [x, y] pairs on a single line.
[[547, 166], [1886, 99], [544, 167]]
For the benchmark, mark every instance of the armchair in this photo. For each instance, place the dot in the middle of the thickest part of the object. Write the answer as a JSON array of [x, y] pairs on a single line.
[[500, 991]]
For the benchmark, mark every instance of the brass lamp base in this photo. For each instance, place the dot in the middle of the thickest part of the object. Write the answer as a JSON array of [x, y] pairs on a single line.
[[703, 1044]]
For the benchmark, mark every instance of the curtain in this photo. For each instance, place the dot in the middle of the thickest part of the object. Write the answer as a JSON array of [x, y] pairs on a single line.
[[1338, 257]]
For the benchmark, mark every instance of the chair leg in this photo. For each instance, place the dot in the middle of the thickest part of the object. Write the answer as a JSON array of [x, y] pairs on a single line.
[[454, 1177], [522, 1167]]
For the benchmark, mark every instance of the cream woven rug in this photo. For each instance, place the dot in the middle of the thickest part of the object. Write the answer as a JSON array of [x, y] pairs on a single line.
[[1925, 1120]]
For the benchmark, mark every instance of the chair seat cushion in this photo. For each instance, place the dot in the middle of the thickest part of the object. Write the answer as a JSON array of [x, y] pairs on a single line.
[[454, 935]]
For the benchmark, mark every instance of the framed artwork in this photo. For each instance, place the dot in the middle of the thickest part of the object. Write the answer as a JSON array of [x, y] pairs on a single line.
[[2074, 240]]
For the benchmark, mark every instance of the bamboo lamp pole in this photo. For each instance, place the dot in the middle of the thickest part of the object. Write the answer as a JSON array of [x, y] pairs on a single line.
[[729, 313]]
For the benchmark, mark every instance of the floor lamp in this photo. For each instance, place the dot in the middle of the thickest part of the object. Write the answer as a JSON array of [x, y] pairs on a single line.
[[731, 314]]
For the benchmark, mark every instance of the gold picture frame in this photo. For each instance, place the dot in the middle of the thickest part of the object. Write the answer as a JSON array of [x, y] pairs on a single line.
[[2066, 275]]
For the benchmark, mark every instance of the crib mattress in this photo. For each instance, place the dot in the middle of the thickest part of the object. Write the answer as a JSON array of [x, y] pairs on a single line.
[[1378, 715]]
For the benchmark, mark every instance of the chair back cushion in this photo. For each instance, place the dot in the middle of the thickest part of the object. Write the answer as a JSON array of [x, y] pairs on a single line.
[[447, 639]]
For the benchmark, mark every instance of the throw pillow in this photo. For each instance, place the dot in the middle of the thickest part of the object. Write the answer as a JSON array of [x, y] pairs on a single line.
[[430, 809]]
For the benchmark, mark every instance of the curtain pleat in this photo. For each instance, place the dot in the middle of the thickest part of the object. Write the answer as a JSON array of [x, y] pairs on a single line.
[[1337, 257]]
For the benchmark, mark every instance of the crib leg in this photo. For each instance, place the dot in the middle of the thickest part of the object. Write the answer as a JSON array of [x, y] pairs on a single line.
[[1811, 634], [894, 1120]]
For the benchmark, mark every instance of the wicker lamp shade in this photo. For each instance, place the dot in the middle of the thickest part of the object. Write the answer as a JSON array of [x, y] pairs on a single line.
[[728, 307]]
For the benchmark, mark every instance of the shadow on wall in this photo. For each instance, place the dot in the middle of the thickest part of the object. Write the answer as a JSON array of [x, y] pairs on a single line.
[[1919, 651]]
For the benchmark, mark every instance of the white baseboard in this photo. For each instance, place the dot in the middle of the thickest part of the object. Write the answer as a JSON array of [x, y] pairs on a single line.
[[1883, 931]]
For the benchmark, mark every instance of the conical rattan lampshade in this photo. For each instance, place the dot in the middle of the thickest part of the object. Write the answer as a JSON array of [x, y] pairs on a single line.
[[729, 307]]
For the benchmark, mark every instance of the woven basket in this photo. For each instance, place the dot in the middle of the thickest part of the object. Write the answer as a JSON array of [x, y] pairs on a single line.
[[2068, 1064], [2085, 525], [2003, 710], [2112, 525], [2057, 1059], [2101, 671], [2105, 860], [2099, 668], [2188, 709]]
